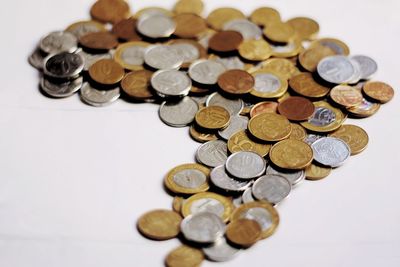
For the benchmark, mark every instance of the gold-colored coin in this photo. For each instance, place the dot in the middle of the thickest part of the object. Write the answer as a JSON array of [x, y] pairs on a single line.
[[270, 127], [241, 141], [160, 224], [189, 178], [189, 6], [213, 118], [336, 45], [106, 71], [346, 96], [306, 28], [298, 132], [325, 119], [249, 210], [305, 85], [291, 154], [81, 28], [284, 67], [244, 232], [310, 58], [378, 91], [265, 16], [316, 172], [201, 137], [215, 203], [280, 32], [184, 256], [177, 204], [269, 84], [130, 55], [289, 50], [264, 107], [137, 84], [255, 50], [284, 97], [365, 109], [355, 137], [152, 10], [220, 16], [189, 25]]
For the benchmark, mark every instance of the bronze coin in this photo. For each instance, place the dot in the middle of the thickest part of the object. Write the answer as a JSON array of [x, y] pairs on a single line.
[[236, 82], [137, 84], [99, 41], [107, 72], [296, 108], [110, 10], [379, 91], [225, 41], [189, 25], [305, 85], [125, 29], [244, 232]]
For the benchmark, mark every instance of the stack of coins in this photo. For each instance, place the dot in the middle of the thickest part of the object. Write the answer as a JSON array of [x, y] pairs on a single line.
[[266, 98]]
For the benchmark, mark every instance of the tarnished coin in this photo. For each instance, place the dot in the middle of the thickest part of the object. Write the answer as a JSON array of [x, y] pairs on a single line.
[[99, 98], [189, 6], [305, 28], [225, 41], [255, 50], [305, 85], [233, 106], [221, 179], [137, 84], [336, 69], [162, 57], [106, 71], [63, 65], [246, 28], [220, 251], [61, 90], [178, 114], [217, 18], [330, 151], [325, 118], [298, 132], [201, 136], [160, 224], [270, 127], [57, 42], [184, 256], [206, 71], [110, 10], [265, 16], [171, 83], [125, 30], [355, 137], [245, 165], [82, 28], [296, 108], [269, 84], [378, 91], [36, 59], [368, 66], [213, 118], [156, 26], [264, 107], [212, 153], [189, 25], [236, 82], [294, 177], [203, 227], [244, 232], [99, 41], [130, 55], [237, 123], [316, 172], [346, 96], [280, 32], [241, 141], [291, 154], [188, 179], [90, 59]]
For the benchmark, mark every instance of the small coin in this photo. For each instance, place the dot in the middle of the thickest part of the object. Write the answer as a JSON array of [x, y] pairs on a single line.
[[233, 106], [82, 28], [291, 154], [163, 57], [305, 28], [225, 41], [189, 25], [346, 96], [125, 30], [184, 256], [160, 224], [171, 83], [241, 141], [188, 179], [368, 66], [265, 16], [63, 89], [272, 188], [255, 50], [296, 108], [280, 32], [236, 82], [325, 118], [203, 227], [99, 41], [305, 85], [213, 153], [220, 251], [336, 45], [110, 10], [57, 42], [316, 172], [237, 123], [298, 132], [106, 71], [221, 179], [156, 26], [336, 69], [310, 58], [355, 137], [269, 84], [189, 6], [245, 165], [206, 71], [244, 232], [213, 118], [99, 98], [130, 55], [378, 91], [200, 136], [63, 65], [264, 107], [294, 177], [246, 28], [178, 114], [330, 151], [270, 127], [217, 18], [137, 84]]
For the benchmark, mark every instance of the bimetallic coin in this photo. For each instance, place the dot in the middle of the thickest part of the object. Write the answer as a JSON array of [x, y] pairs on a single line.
[[378, 91], [355, 137], [269, 85], [244, 232], [184, 256], [272, 188], [247, 29], [99, 98], [221, 251], [213, 118], [90, 59], [247, 196], [221, 179], [212, 153], [346, 96], [63, 65], [203, 227], [131, 55], [171, 83], [36, 59], [156, 26], [240, 141], [330, 151], [245, 165], [61, 90], [188, 179], [336, 69], [237, 123], [178, 114], [82, 28], [368, 66], [270, 127], [325, 118], [160, 224], [57, 42], [294, 177], [206, 71], [162, 57], [233, 106]]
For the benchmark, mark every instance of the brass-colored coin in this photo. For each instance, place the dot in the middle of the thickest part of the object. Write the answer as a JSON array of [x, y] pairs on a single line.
[[355, 137], [99, 41], [306, 28], [296, 108], [280, 32], [316, 172], [284, 67], [80, 28], [247, 211], [236, 82], [106, 71], [298, 132], [189, 178], [325, 119], [125, 30], [110, 10], [264, 107], [305, 85], [128, 55], [160, 224], [137, 84], [184, 256], [189, 25], [207, 201], [270, 127], [265, 16], [336, 45], [269, 84], [201, 137], [365, 109], [289, 50], [346, 96], [217, 18], [244, 232], [241, 141], [189, 6], [153, 10], [213, 118], [177, 204], [255, 50], [378, 91], [291, 154], [310, 58], [225, 41]]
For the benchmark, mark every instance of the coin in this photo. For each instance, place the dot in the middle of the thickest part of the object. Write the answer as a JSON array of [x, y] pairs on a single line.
[[365, 109], [247, 29], [255, 50], [189, 25], [160, 224], [61, 90], [368, 66], [137, 84], [125, 30], [221, 179], [265, 16], [225, 41], [171, 83], [106, 71], [269, 84], [151, 11], [57, 42], [245, 165], [336, 45], [201, 137], [330, 151], [355, 137], [291, 154], [188, 179], [217, 18], [305, 85], [81, 28], [233, 106], [177, 204], [178, 114], [99, 41], [206, 71], [36, 59], [296, 108], [272, 188], [189, 6], [213, 118], [190, 50], [236, 82], [280, 32], [336, 69], [203, 227], [99, 98], [346, 96], [310, 58], [220, 251], [325, 118], [90, 59], [247, 196], [284, 67], [184, 256], [294, 177], [237, 123], [264, 107], [162, 57], [156, 26], [240, 141], [212, 153], [130, 55], [305, 28], [63, 65], [244, 232], [110, 10], [298, 132], [378, 91], [316, 172], [270, 127]]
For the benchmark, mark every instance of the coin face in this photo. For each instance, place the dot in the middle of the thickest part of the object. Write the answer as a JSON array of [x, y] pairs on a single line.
[[203, 227], [189, 25], [137, 84], [106, 71], [160, 224], [246, 28], [130, 55], [272, 188], [355, 137], [284, 67], [213, 118], [162, 57], [336, 69], [241, 141], [255, 50], [188, 179], [325, 118], [178, 114], [279, 32], [206, 71], [189, 6], [125, 29], [298, 132], [346, 96], [220, 251], [294, 177], [264, 107], [296, 108], [269, 84], [57, 42], [236, 124], [305, 85], [225, 41], [245, 165], [244, 232], [61, 90], [156, 26], [99, 41], [110, 10], [317, 172], [305, 28], [233, 106], [310, 58], [82, 28], [97, 97], [270, 127], [184, 256], [336, 45], [236, 82], [368, 66], [265, 16], [63, 65], [330, 151], [201, 136], [171, 83], [221, 179], [213, 153], [379, 91], [291, 154]]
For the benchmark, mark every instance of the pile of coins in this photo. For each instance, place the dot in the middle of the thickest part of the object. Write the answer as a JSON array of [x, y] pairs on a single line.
[[267, 99]]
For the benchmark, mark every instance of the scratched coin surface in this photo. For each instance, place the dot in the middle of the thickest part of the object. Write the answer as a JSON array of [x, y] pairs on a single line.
[[245, 165], [212, 153], [331, 151], [160, 224], [291, 154], [354, 136]]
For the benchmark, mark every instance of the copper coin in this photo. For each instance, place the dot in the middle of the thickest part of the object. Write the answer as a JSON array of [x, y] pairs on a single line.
[[189, 25], [244, 232], [296, 108], [305, 85], [107, 72], [225, 41], [110, 10], [264, 107], [137, 84], [126, 30], [160, 224], [236, 82], [99, 41], [379, 91]]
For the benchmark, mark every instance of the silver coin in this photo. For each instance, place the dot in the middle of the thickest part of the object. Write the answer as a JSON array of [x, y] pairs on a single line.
[[36, 59], [220, 251], [187, 51], [133, 55], [90, 59], [236, 124], [294, 177], [189, 178], [368, 66], [245, 165], [63, 65], [57, 42], [247, 196], [61, 90], [357, 75], [233, 106], [223, 180], [311, 138], [248, 29], [162, 57], [171, 83], [272, 188], [206, 71], [178, 114], [266, 83], [330, 151], [237, 201], [203, 227], [336, 69], [260, 215], [210, 205], [83, 29], [322, 117], [99, 98], [231, 63], [156, 26], [212, 153]]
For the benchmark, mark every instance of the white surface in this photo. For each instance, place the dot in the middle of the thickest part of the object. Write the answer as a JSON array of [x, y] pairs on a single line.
[[74, 179]]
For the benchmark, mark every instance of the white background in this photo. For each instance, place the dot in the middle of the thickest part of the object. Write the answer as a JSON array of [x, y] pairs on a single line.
[[74, 179]]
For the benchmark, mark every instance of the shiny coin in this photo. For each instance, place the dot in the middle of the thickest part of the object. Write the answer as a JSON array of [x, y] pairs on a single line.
[[213, 118], [269, 84], [291, 154], [137, 84], [131, 55], [294, 177], [178, 114], [99, 98], [212, 153], [305, 85], [156, 26], [365, 109], [378, 91], [189, 25], [355, 137], [106, 71], [264, 107], [316, 172], [57, 42], [265, 16], [245, 165], [241, 141], [125, 30], [298, 132], [206, 71], [270, 127], [336, 69], [346, 96], [160, 224], [63, 65], [325, 118], [237, 123], [189, 6], [244, 232], [305, 28], [221, 179], [225, 41], [236, 82], [296, 108], [255, 50], [82, 28], [217, 18], [336, 45], [310, 58], [203, 227], [184, 256], [171, 83], [330, 151], [221, 251], [272, 188], [247, 29], [90, 59], [201, 136], [110, 10], [36, 59], [247, 196], [233, 106], [61, 90], [188, 179], [280, 32], [99, 41], [162, 57], [368, 66]]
